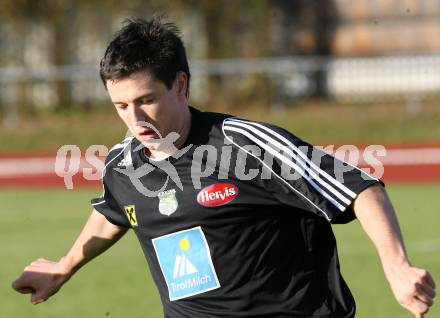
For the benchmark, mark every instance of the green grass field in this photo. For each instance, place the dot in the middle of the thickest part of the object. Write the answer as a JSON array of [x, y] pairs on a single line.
[[44, 223]]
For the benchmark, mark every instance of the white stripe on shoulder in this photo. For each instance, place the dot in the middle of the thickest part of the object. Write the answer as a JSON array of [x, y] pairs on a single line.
[[275, 174], [294, 166], [122, 144], [301, 157], [125, 144], [301, 153]]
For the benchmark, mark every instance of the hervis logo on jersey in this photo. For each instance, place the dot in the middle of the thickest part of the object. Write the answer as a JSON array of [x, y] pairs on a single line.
[[167, 202], [217, 194], [185, 261], [130, 211]]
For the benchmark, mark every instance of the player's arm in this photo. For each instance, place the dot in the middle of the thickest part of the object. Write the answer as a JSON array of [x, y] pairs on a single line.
[[413, 287], [43, 278]]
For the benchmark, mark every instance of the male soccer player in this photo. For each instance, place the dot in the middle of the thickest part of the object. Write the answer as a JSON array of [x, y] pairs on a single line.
[[233, 216]]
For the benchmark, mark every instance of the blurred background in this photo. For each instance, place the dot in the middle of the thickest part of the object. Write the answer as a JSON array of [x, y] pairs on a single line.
[[272, 57], [333, 72]]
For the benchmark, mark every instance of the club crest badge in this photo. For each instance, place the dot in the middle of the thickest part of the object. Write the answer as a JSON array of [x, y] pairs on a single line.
[[167, 202]]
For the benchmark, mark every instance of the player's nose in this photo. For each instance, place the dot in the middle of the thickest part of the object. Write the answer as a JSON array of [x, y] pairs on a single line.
[[136, 114]]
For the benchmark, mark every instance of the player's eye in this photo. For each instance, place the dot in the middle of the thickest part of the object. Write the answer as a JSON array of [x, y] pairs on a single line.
[[121, 106], [147, 100]]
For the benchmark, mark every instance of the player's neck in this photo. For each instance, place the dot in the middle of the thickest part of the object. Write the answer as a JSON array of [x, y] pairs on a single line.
[[185, 128]]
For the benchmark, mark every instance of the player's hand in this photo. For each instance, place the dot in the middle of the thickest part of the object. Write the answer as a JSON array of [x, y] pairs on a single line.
[[414, 288], [42, 278]]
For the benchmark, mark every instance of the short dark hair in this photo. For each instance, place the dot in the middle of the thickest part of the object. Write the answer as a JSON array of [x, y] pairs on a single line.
[[152, 45]]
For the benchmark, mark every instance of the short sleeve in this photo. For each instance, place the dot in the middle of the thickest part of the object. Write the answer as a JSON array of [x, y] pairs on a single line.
[[107, 206], [326, 185], [300, 175]]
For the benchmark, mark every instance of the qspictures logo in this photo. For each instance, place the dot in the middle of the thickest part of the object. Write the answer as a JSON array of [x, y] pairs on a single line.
[[293, 162]]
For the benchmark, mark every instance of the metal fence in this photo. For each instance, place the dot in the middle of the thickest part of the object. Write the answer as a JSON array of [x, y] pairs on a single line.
[[287, 79]]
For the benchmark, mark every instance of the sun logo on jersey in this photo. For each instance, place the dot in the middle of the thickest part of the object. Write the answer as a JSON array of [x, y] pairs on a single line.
[[130, 211], [182, 265]]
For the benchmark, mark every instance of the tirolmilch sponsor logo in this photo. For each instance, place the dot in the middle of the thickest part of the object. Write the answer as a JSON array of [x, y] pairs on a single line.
[[217, 194]]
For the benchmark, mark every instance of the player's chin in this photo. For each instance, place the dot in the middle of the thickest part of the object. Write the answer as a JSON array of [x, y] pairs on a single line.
[[150, 143]]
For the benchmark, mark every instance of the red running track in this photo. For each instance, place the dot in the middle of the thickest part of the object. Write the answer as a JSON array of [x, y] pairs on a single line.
[[415, 163]]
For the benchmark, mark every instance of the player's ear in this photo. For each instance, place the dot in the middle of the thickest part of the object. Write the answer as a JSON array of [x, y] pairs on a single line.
[[181, 82]]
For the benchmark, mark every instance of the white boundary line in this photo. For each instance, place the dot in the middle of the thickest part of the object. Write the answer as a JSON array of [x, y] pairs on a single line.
[[15, 167]]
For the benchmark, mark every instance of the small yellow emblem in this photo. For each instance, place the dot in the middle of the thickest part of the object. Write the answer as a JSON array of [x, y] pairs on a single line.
[[131, 214]]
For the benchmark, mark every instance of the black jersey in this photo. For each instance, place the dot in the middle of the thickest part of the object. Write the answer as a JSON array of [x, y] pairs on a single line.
[[237, 222]]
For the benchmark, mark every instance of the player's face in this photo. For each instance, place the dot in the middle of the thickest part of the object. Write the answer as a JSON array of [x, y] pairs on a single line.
[[140, 98]]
